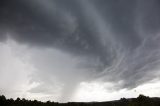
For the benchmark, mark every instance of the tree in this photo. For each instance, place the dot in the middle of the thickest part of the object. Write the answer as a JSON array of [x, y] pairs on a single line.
[[2, 100]]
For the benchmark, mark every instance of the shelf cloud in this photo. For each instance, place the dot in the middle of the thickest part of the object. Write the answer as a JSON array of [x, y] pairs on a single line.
[[76, 41]]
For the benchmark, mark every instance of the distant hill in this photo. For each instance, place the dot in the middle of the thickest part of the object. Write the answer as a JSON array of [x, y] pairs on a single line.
[[139, 101]]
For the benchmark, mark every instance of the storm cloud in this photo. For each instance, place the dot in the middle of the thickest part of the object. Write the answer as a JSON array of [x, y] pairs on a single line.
[[83, 40]]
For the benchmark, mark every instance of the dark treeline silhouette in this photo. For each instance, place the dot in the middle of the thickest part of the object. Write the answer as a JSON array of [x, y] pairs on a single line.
[[139, 101]]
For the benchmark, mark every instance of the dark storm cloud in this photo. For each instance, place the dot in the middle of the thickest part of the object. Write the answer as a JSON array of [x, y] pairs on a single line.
[[35, 26], [120, 39]]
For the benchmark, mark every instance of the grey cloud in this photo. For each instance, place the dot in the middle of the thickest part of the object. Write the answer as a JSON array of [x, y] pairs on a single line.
[[129, 29], [80, 40]]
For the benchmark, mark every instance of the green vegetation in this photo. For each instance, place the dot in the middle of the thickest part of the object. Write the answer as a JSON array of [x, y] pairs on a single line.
[[139, 101]]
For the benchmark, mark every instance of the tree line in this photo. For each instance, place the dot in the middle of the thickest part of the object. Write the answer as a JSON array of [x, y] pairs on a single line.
[[141, 100]]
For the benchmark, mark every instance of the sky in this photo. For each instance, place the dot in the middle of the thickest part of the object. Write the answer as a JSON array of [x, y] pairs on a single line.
[[79, 50]]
